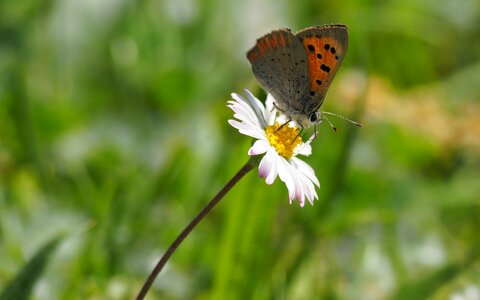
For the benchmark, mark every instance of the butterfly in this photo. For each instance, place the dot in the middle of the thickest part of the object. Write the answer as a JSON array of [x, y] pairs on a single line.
[[297, 69]]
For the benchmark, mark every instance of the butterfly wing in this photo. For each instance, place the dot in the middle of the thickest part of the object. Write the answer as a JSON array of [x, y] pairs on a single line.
[[279, 62], [325, 47]]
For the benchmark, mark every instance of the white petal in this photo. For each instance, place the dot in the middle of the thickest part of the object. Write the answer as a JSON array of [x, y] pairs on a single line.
[[269, 102], [273, 172], [242, 126], [265, 166], [287, 178], [270, 110], [299, 184], [246, 113], [305, 149], [299, 189], [271, 117], [243, 111], [282, 119], [257, 106], [306, 169], [259, 147], [252, 131], [307, 187]]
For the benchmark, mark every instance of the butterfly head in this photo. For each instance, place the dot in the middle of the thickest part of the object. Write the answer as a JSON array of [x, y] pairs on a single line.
[[306, 121]]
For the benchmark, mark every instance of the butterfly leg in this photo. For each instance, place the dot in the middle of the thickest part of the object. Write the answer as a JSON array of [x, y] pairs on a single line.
[[281, 126], [299, 133]]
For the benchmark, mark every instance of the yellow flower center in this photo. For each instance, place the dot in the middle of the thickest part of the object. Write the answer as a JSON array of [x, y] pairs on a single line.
[[284, 140]]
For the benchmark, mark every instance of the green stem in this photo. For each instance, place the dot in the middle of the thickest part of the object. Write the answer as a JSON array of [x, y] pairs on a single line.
[[161, 263]]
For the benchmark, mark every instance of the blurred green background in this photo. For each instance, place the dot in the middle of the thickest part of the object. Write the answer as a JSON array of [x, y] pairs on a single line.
[[114, 134]]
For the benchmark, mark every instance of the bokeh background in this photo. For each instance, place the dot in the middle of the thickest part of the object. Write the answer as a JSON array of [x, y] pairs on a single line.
[[114, 134]]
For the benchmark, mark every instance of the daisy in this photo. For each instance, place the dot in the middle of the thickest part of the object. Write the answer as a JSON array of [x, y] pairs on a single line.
[[278, 143]]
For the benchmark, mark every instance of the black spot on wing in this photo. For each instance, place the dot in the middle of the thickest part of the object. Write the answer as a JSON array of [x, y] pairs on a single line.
[[325, 68]]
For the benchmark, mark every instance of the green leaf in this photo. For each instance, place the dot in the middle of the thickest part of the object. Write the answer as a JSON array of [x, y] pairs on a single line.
[[21, 286]]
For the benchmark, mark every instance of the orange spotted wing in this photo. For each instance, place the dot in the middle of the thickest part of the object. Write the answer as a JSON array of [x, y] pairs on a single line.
[[325, 47]]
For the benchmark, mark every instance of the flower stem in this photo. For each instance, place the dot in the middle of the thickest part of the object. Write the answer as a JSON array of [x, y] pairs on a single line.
[[161, 263]]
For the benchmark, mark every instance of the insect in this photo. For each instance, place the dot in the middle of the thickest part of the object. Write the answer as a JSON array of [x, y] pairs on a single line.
[[297, 69]]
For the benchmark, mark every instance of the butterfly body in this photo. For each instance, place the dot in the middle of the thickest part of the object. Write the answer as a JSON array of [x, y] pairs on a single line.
[[297, 69]]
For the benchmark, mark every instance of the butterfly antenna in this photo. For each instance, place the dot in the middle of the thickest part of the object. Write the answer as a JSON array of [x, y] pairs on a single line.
[[331, 125], [341, 117]]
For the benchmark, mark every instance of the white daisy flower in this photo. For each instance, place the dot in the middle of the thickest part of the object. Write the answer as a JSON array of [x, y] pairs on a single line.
[[279, 144]]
